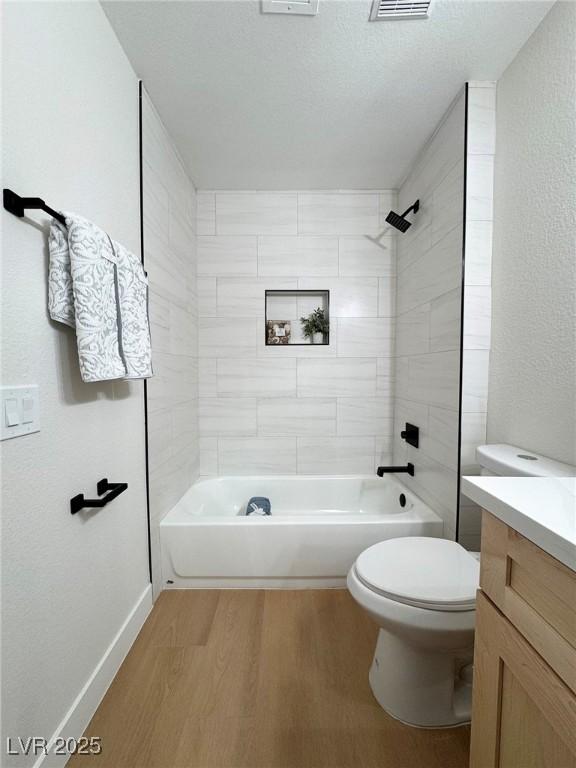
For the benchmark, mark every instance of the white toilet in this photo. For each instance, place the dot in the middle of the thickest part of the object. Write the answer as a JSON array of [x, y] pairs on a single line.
[[421, 592]]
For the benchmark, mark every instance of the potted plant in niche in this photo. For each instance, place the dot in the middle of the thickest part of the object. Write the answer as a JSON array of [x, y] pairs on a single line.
[[316, 326]]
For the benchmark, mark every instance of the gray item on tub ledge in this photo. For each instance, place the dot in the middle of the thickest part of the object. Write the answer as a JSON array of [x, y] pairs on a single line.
[[258, 505]]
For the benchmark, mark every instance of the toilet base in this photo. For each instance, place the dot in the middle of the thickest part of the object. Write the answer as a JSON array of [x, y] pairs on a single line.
[[423, 688]]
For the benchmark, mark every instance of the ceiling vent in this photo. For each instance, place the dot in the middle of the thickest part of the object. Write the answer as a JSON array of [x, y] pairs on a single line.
[[385, 10]]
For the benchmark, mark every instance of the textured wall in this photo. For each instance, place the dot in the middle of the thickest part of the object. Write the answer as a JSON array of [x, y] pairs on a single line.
[[428, 317], [532, 370], [320, 410], [170, 258], [69, 135]]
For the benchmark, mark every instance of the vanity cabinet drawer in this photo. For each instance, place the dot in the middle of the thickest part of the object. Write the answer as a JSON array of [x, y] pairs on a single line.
[[534, 591]]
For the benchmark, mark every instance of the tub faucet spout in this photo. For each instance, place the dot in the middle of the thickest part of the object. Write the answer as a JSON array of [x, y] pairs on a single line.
[[409, 468]]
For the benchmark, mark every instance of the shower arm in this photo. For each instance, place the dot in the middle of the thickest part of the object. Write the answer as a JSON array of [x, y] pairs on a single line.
[[413, 207], [409, 468]]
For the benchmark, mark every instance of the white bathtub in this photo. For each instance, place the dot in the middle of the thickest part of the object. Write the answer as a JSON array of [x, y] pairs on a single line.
[[318, 526]]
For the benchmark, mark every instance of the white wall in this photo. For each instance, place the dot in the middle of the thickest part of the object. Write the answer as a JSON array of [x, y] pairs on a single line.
[[532, 368], [170, 259], [313, 409], [428, 317], [70, 135]]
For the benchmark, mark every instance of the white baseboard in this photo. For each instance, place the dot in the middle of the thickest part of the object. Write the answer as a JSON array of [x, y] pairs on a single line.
[[86, 703], [317, 582]]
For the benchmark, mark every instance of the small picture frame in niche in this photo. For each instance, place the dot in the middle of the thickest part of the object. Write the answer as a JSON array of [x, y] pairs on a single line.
[[278, 331]]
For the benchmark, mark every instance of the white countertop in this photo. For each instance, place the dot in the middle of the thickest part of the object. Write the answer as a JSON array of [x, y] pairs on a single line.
[[543, 509]]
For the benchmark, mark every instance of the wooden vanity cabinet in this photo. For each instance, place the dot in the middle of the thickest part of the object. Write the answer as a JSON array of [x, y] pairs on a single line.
[[524, 701]]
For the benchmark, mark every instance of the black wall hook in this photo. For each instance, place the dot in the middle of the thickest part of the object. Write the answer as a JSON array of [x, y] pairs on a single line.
[[112, 489], [16, 205]]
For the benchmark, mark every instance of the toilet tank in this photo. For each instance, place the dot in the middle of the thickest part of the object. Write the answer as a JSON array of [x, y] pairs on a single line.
[[510, 461]]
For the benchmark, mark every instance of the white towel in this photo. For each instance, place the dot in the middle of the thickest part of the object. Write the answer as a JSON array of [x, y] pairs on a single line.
[[98, 287]]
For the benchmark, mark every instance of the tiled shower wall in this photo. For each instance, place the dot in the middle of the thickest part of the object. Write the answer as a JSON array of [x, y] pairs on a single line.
[[477, 292], [428, 317], [170, 260], [289, 409]]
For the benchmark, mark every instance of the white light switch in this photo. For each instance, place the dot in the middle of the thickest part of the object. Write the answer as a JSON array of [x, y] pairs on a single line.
[[11, 417], [20, 412]]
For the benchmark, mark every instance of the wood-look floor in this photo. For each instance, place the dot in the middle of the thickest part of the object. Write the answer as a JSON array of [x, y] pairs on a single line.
[[257, 679]]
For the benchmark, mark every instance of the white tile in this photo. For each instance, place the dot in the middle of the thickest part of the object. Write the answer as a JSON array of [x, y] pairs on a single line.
[[435, 378], [159, 437], [435, 273], [159, 313], [349, 296], [445, 322], [481, 120], [480, 188], [477, 317], [336, 455], [206, 289], [448, 203], [207, 377], [440, 439], [473, 435], [181, 234], [298, 256], [387, 201], [365, 416], [183, 331], [205, 213], [244, 296], [208, 456], [362, 337], [227, 337], [337, 377], [173, 382], [385, 376], [257, 455], [256, 213], [165, 269], [475, 381], [417, 241], [297, 416], [478, 253], [338, 213], [223, 255], [227, 416], [384, 455], [362, 257], [413, 331], [257, 377], [386, 296]]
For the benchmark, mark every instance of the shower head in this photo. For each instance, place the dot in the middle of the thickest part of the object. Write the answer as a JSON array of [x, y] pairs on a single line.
[[400, 222]]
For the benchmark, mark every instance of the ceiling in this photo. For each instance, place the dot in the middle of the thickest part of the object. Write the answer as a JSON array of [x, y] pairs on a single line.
[[333, 101]]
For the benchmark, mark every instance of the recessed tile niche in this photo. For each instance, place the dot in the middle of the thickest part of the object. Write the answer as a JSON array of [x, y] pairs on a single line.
[[284, 310]]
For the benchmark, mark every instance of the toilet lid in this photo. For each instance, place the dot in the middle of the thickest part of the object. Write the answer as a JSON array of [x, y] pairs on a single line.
[[428, 573]]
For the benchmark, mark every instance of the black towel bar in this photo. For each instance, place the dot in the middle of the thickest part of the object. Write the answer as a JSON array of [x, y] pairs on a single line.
[[15, 204], [111, 489]]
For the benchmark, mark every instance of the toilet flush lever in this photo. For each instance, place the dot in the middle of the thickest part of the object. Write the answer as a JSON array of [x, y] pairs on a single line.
[[411, 434]]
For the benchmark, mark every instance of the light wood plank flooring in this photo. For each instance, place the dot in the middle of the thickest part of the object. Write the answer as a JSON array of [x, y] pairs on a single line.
[[257, 679]]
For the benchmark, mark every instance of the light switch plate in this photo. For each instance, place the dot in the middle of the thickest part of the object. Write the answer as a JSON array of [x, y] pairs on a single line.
[[21, 405]]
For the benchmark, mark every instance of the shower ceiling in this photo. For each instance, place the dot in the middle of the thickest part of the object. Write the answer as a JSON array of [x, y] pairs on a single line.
[[258, 101]]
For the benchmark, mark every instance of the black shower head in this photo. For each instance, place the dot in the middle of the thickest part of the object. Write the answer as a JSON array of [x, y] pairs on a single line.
[[400, 222]]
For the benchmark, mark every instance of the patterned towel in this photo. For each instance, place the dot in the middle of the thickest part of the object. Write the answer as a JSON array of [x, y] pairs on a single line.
[[99, 288]]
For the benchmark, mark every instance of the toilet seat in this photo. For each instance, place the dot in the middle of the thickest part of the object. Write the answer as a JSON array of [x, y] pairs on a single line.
[[435, 574]]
